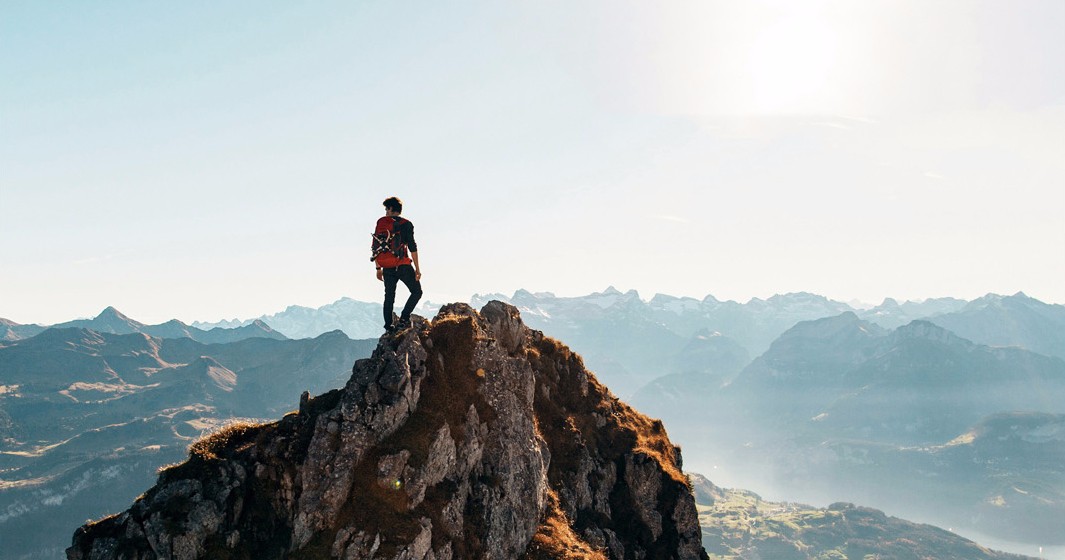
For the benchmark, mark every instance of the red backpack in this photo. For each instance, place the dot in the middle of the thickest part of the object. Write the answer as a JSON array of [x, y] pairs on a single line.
[[388, 248]]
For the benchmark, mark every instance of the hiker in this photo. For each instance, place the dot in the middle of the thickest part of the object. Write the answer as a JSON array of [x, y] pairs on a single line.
[[392, 238]]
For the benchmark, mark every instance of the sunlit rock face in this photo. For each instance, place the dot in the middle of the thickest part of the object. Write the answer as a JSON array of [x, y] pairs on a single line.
[[470, 436]]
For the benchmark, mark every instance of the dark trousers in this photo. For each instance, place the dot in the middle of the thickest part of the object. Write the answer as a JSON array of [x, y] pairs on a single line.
[[392, 277]]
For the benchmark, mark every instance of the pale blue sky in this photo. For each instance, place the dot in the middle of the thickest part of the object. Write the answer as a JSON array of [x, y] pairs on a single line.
[[215, 160]]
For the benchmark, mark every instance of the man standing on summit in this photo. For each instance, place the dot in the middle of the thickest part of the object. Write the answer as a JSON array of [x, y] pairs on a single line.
[[392, 239]]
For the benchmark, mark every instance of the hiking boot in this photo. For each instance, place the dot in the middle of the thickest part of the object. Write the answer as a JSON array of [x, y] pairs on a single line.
[[404, 324]]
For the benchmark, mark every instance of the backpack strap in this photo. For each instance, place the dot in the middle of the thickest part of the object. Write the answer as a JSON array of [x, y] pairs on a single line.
[[399, 244]]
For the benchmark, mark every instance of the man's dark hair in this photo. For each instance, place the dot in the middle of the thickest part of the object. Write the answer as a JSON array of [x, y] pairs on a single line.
[[394, 204]]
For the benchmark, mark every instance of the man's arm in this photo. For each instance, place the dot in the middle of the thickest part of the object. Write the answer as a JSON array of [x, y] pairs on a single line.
[[408, 238]]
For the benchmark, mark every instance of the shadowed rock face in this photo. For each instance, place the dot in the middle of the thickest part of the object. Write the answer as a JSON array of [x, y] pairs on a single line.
[[470, 436]]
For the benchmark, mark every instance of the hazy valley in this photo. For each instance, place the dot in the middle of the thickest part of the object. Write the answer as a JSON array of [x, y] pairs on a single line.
[[797, 397], [88, 417]]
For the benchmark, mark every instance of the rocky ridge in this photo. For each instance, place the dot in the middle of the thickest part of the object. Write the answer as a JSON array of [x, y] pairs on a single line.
[[470, 436]]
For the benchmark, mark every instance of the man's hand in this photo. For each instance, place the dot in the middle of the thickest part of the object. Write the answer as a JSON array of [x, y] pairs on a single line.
[[417, 267], [380, 275]]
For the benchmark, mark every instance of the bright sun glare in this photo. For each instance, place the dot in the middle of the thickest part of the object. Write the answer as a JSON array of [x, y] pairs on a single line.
[[760, 58], [791, 64]]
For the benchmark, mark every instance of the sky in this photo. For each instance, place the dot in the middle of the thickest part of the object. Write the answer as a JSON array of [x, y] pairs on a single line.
[[206, 161]]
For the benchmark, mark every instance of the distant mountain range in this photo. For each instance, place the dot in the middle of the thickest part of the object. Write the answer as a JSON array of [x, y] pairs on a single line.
[[357, 319], [1016, 320], [630, 342], [915, 385], [915, 419], [943, 410], [605, 323], [112, 321], [87, 417]]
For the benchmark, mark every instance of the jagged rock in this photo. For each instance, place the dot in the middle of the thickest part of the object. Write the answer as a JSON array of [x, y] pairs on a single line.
[[470, 436]]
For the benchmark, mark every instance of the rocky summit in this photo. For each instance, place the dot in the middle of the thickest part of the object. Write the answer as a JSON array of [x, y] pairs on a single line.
[[469, 436]]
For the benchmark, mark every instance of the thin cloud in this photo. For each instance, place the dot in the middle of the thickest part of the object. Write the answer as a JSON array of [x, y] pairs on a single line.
[[667, 218], [864, 120], [829, 124]]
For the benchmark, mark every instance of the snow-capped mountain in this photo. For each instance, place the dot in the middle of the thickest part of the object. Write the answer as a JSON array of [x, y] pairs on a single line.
[[1016, 320], [357, 319]]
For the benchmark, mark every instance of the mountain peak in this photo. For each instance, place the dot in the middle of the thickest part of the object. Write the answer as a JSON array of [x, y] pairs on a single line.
[[929, 331], [993, 299], [109, 320], [826, 326], [111, 313], [987, 299], [797, 296], [468, 436]]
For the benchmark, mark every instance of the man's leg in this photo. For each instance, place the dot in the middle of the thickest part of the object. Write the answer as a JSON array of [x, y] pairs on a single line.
[[406, 274], [391, 278]]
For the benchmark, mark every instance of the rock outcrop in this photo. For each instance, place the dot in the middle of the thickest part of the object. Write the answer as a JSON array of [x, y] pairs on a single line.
[[467, 437]]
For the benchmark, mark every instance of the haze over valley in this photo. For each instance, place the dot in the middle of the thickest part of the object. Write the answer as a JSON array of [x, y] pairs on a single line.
[[796, 397]]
